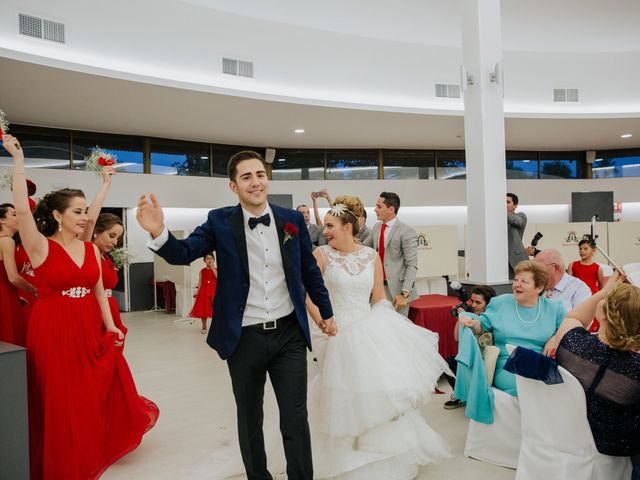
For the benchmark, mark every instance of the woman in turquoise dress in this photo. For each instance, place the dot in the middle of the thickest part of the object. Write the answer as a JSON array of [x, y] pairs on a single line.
[[525, 318]]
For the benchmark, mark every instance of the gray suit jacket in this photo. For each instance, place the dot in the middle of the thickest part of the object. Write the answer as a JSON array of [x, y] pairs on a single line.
[[315, 232], [363, 234], [516, 223], [400, 257]]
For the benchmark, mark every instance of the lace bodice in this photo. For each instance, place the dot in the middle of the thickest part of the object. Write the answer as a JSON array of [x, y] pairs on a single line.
[[349, 279]]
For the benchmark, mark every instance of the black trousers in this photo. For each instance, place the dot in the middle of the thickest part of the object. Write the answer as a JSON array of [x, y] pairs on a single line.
[[453, 365], [282, 353]]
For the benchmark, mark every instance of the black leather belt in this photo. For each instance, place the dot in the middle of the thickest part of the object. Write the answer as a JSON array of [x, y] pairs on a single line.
[[272, 325]]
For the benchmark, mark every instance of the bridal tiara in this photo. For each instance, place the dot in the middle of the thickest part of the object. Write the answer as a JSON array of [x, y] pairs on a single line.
[[339, 209]]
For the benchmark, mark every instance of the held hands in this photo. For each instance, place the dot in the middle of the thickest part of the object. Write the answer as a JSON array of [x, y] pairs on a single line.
[[399, 302], [149, 215], [328, 327]]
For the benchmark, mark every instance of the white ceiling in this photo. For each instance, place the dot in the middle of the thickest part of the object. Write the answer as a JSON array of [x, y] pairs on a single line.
[[46, 96]]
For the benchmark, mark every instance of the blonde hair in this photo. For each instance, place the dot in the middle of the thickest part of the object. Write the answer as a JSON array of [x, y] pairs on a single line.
[[349, 210], [539, 271], [622, 310]]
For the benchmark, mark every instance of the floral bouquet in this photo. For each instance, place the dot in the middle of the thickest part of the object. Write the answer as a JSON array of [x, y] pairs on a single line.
[[120, 257], [98, 159], [4, 126]]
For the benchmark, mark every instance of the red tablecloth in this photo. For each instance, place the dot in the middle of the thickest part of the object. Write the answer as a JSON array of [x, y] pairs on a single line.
[[434, 313], [168, 290]]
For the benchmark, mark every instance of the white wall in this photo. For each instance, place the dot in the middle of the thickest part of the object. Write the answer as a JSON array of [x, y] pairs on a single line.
[[424, 202]]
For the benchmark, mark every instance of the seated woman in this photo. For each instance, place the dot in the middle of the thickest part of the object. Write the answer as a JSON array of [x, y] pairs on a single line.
[[608, 365], [525, 319]]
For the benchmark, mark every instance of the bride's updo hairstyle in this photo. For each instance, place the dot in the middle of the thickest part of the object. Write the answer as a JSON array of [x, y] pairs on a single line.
[[349, 209], [58, 200]]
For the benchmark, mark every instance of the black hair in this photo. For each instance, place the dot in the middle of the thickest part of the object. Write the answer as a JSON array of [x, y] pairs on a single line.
[[232, 167], [391, 200], [514, 198]]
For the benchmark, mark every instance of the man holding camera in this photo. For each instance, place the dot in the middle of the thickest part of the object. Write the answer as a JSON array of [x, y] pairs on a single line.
[[516, 223], [477, 304]]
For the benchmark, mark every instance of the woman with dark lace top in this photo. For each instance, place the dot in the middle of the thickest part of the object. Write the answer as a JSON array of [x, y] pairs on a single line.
[[608, 366]]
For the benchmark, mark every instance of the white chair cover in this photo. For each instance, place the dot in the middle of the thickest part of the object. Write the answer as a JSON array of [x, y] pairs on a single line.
[[498, 443], [557, 442], [635, 278], [607, 270], [631, 267]]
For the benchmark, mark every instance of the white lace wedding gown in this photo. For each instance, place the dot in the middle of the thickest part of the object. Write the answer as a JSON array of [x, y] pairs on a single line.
[[369, 381]]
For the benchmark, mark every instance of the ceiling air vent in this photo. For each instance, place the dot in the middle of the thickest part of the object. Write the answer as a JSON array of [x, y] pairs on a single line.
[[240, 68], [444, 90], [40, 28], [565, 95]]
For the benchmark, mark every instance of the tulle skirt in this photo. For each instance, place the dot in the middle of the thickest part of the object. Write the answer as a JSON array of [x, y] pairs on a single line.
[[364, 396]]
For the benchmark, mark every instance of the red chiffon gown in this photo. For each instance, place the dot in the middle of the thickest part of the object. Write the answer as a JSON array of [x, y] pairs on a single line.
[[23, 264], [589, 275], [13, 324], [84, 410], [202, 307], [109, 281]]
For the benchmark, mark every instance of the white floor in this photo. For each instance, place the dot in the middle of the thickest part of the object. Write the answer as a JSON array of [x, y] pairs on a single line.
[[174, 367]]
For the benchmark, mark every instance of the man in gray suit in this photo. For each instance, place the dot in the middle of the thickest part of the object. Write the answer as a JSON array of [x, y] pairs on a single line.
[[516, 223], [397, 245], [315, 231]]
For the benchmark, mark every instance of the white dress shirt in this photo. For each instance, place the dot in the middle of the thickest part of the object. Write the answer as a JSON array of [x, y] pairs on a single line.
[[268, 293], [570, 291]]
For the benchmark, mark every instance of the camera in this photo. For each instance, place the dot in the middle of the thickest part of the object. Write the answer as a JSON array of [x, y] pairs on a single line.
[[534, 243], [463, 296], [536, 238]]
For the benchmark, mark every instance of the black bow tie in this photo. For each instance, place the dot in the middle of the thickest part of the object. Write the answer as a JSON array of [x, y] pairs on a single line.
[[265, 220]]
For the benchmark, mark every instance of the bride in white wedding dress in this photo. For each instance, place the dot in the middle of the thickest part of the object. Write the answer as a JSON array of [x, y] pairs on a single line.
[[370, 379]]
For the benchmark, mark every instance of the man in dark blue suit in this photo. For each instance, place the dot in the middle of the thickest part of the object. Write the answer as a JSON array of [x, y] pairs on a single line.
[[260, 325]]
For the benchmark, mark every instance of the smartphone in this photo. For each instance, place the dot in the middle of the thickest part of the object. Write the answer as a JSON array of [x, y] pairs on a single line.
[[320, 194]]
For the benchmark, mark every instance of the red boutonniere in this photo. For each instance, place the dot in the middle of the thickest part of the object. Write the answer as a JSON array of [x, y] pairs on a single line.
[[290, 231], [106, 162]]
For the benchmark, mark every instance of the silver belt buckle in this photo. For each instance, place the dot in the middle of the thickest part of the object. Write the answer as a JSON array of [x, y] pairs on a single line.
[[270, 325]]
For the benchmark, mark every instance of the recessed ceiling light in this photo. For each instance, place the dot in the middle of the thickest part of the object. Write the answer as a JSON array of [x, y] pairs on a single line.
[[299, 130], [626, 135], [204, 158]]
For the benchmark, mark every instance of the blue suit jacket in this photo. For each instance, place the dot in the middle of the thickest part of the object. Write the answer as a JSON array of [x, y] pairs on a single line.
[[223, 232]]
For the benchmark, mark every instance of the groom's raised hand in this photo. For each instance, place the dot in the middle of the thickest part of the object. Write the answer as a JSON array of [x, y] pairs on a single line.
[[150, 215]]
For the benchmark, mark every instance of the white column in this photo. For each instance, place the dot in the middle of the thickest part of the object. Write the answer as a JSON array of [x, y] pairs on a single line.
[[484, 141]]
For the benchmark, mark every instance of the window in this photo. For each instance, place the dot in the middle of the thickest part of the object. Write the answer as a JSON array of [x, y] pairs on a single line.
[[522, 165], [612, 164], [295, 164], [128, 150], [222, 154], [555, 165], [43, 147], [409, 164], [451, 165], [352, 164], [170, 157]]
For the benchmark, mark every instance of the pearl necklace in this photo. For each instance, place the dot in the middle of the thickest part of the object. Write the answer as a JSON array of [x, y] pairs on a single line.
[[530, 322]]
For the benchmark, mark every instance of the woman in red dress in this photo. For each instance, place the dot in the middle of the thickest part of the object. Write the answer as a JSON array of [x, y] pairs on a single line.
[[13, 317], [107, 234], [589, 271], [202, 307], [84, 410]]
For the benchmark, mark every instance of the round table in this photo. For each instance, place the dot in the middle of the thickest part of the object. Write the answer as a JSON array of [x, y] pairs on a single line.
[[434, 313]]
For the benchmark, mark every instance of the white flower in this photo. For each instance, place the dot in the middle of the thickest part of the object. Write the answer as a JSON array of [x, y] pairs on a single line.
[[93, 163], [120, 257], [338, 209], [4, 123]]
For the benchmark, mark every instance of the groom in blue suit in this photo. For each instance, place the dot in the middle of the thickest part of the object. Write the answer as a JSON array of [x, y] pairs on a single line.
[[259, 325]]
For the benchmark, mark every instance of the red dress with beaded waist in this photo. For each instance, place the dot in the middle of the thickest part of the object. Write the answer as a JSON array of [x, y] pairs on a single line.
[[84, 410]]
